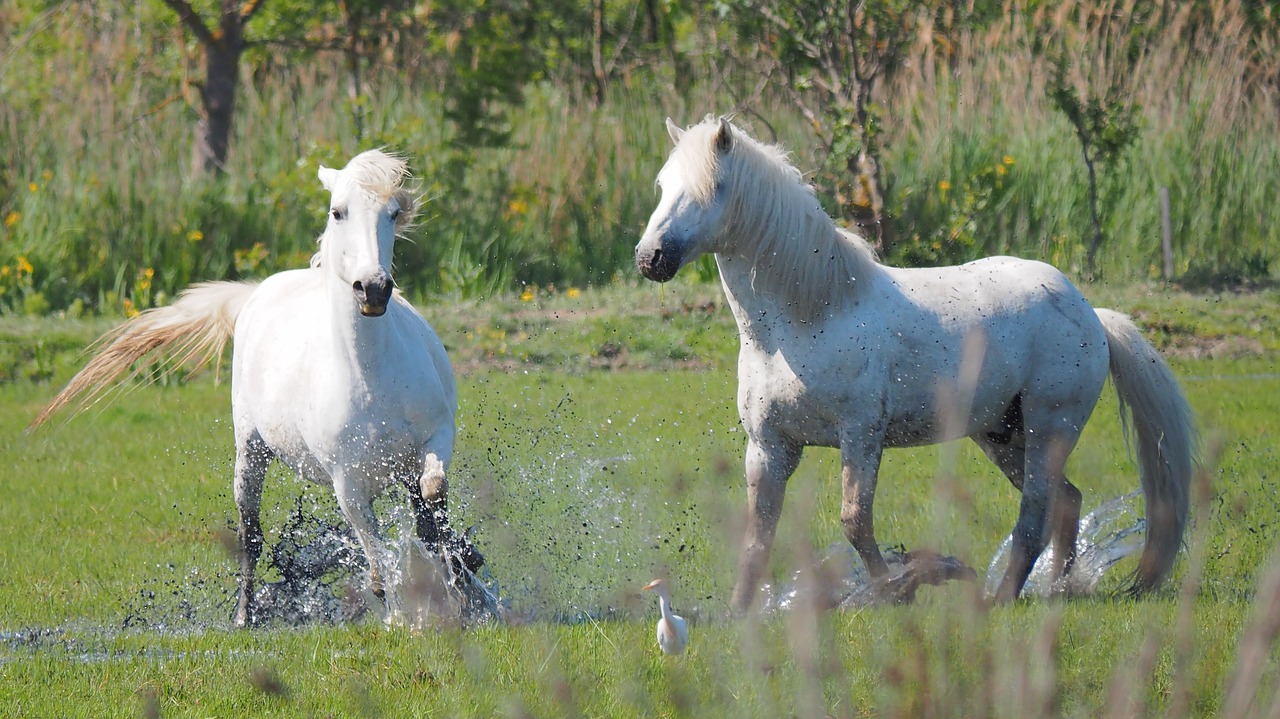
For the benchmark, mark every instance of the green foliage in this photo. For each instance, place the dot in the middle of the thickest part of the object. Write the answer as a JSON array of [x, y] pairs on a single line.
[[1106, 125], [527, 182], [952, 214]]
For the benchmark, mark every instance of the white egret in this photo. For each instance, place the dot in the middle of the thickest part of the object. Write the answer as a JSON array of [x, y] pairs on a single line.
[[673, 632]]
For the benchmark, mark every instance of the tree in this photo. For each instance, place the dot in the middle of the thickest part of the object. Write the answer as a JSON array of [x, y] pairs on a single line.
[[834, 56], [1106, 125], [1093, 63], [223, 44]]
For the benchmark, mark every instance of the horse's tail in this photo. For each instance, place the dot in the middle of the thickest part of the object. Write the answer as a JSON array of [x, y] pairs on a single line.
[[190, 332], [1153, 407]]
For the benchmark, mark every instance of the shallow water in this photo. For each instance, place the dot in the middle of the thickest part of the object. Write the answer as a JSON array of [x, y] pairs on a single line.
[[1108, 534], [838, 578]]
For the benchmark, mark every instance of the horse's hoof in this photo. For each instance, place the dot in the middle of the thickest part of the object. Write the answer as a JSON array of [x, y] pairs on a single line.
[[472, 559]]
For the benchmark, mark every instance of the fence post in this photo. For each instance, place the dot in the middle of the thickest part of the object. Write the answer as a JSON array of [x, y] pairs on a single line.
[[1166, 227]]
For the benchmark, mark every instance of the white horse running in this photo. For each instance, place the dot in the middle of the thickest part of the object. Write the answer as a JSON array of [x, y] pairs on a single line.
[[333, 373], [840, 351]]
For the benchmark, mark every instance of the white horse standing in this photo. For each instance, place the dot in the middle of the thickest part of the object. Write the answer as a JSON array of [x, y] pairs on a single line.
[[333, 373], [840, 351]]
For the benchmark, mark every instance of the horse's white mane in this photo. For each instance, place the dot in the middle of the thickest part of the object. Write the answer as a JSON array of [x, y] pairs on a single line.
[[382, 175], [774, 218], [379, 173]]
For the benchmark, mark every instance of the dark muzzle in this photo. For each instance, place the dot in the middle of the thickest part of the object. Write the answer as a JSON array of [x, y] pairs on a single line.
[[373, 294], [657, 264]]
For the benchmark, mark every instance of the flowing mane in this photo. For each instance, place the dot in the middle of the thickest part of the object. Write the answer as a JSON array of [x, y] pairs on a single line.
[[382, 176], [379, 173], [773, 215]]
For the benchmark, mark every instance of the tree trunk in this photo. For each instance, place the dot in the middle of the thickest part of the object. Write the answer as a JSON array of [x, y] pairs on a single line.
[[213, 131], [355, 80], [223, 47], [597, 51]]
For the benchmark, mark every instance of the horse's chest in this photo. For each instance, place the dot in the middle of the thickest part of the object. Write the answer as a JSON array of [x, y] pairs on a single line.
[[777, 395]]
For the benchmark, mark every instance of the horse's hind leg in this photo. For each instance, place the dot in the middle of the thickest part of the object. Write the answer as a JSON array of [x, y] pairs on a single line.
[[252, 459], [1043, 484], [1007, 450], [767, 470]]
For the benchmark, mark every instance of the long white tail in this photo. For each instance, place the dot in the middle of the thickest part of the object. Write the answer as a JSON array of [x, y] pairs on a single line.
[[1153, 408], [190, 332]]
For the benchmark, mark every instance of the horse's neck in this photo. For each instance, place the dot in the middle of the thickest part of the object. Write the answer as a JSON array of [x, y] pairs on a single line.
[[767, 288]]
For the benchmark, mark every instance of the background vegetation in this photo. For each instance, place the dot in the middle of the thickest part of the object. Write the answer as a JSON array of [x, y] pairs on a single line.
[[957, 129], [536, 134]]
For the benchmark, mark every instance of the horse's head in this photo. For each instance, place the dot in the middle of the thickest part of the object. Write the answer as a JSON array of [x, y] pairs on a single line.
[[367, 208], [690, 216]]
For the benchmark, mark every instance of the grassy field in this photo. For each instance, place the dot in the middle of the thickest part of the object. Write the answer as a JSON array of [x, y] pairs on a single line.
[[599, 447]]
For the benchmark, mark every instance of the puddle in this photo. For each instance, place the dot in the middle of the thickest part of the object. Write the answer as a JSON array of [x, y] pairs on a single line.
[[838, 578]]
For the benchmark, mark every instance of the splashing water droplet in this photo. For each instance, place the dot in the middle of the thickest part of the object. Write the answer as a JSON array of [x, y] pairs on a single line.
[[1108, 534]]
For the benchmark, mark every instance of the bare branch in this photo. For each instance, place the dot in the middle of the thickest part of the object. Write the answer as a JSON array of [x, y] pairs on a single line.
[[191, 19]]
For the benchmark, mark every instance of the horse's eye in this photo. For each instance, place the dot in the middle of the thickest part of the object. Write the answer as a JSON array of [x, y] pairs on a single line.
[[395, 214], [338, 214]]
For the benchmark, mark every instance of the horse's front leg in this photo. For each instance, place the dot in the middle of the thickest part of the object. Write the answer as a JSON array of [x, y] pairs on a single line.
[[860, 467], [357, 507], [768, 466], [252, 459], [430, 506]]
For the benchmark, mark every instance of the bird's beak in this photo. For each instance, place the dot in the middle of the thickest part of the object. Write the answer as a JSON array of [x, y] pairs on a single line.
[[652, 584]]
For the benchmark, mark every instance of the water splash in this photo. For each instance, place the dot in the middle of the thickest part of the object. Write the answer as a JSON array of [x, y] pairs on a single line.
[[321, 569], [425, 588], [1108, 534], [839, 580]]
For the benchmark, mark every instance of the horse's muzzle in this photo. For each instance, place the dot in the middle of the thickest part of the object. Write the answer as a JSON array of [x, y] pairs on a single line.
[[373, 294], [657, 264]]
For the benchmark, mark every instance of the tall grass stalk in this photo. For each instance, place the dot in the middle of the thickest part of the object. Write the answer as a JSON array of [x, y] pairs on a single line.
[[96, 209]]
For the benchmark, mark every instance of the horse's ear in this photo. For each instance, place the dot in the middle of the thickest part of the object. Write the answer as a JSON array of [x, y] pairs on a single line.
[[724, 137], [327, 176], [674, 131]]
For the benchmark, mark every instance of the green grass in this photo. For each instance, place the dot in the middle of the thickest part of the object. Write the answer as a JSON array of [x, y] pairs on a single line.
[[583, 484]]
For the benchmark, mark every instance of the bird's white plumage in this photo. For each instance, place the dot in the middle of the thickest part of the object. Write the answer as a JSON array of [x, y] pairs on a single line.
[[673, 631]]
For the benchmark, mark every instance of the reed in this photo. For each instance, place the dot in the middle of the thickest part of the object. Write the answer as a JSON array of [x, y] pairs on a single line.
[[96, 210]]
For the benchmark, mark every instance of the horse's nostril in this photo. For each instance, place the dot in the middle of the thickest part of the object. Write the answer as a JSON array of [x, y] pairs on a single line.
[[357, 286]]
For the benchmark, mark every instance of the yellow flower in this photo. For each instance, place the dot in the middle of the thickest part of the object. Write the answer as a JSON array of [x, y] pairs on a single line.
[[572, 292], [1002, 170], [148, 273], [23, 266], [129, 310], [527, 295], [517, 207], [195, 236], [944, 186], [32, 186], [1008, 160], [12, 218]]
